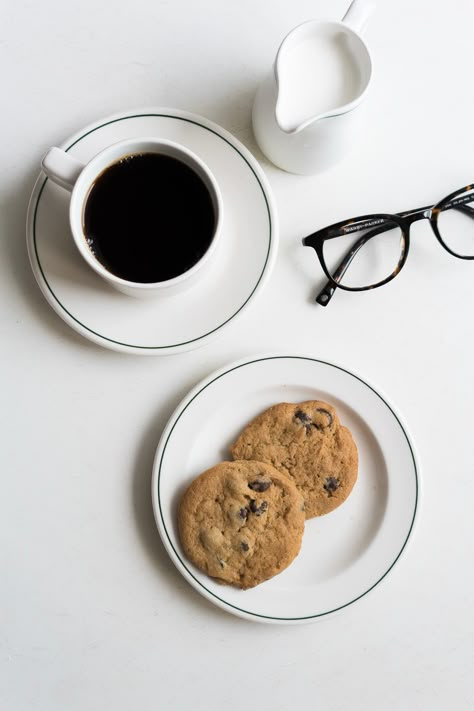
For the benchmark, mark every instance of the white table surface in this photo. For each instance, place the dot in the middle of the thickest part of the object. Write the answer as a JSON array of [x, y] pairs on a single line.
[[93, 613]]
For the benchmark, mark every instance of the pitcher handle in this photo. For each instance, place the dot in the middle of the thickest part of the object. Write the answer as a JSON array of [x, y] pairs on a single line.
[[358, 13]]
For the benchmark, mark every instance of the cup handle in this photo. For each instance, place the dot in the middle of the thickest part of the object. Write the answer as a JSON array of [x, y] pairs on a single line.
[[62, 168], [358, 13]]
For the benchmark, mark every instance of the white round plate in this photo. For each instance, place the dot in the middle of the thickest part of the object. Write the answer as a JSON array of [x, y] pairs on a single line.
[[344, 554], [166, 324]]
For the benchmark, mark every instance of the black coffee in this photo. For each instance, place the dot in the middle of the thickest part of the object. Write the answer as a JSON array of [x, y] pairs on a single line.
[[148, 218]]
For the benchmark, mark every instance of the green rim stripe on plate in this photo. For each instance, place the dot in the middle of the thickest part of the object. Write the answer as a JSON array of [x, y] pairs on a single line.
[[213, 330], [272, 617]]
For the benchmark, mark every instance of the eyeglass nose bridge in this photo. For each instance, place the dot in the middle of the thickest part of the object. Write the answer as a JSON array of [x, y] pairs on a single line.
[[423, 213]]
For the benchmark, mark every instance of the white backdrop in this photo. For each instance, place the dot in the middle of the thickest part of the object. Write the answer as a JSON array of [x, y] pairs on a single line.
[[93, 613]]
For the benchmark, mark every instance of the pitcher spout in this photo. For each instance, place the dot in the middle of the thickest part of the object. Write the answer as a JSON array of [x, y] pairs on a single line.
[[290, 124]]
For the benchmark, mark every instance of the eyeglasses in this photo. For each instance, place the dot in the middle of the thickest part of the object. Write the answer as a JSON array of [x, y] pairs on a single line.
[[369, 251]]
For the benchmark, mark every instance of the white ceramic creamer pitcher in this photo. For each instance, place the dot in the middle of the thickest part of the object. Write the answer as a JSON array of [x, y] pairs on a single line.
[[306, 113]]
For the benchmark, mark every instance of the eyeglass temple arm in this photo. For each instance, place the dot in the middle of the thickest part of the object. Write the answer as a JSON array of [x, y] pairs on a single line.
[[423, 212], [327, 292], [464, 208]]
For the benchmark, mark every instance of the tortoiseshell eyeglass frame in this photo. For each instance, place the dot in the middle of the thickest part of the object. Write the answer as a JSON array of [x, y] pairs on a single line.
[[456, 200]]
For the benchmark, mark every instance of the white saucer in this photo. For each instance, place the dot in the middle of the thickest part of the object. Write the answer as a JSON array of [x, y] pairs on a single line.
[[345, 554], [170, 324]]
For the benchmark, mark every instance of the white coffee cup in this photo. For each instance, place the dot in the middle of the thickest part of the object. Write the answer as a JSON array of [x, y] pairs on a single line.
[[71, 174]]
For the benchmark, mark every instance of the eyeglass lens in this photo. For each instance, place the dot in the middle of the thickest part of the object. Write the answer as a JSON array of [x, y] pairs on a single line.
[[365, 253], [456, 224]]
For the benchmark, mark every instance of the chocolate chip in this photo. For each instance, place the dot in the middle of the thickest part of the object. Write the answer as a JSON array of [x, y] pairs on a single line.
[[258, 510], [328, 415], [259, 485], [244, 546], [303, 417], [243, 513], [331, 484]]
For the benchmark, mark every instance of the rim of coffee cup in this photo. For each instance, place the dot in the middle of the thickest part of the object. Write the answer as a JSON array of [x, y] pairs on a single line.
[[107, 157]]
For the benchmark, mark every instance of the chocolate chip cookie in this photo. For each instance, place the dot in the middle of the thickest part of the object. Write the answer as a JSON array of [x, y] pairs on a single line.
[[307, 443], [241, 522]]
